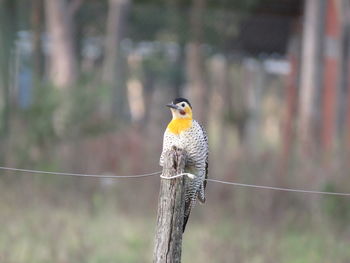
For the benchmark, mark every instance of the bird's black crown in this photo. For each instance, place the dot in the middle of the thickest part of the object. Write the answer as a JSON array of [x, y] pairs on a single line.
[[178, 100]]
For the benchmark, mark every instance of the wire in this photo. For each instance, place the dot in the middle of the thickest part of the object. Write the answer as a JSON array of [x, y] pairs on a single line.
[[159, 172], [278, 188], [191, 176], [76, 174]]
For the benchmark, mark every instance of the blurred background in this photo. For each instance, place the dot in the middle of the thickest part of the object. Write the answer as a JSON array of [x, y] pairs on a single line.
[[84, 85]]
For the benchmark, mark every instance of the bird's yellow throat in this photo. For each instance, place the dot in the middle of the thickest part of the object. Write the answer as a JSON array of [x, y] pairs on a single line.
[[179, 125]]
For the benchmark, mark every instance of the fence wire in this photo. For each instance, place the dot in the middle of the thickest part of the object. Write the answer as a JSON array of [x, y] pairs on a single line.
[[264, 187]]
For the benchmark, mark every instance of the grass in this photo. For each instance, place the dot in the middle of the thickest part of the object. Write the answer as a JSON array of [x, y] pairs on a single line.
[[64, 235], [38, 230]]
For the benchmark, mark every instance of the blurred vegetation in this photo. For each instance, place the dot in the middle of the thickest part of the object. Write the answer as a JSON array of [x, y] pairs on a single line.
[[38, 233], [38, 117], [92, 126], [336, 208]]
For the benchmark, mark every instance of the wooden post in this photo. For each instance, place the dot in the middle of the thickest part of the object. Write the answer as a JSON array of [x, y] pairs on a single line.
[[168, 240]]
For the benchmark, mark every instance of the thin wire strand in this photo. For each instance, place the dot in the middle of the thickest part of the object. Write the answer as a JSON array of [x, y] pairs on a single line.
[[189, 175], [278, 188], [159, 172], [77, 174]]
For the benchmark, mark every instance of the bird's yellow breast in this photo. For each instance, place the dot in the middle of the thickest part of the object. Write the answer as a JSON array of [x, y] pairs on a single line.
[[176, 126]]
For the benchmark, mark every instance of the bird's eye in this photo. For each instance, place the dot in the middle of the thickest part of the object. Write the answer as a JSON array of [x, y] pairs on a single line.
[[183, 105]]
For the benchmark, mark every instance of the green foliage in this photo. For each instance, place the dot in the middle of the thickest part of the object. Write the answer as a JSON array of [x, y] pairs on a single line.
[[39, 117], [335, 207], [158, 66], [171, 23], [83, 117], [236, 117], [83, 109], [146, 21], [240, 5]]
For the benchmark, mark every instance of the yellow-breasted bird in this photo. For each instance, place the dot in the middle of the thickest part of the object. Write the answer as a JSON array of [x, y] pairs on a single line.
[[187, 134]]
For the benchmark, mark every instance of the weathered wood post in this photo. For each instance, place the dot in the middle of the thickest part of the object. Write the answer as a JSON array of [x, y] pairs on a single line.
[[168, 239]]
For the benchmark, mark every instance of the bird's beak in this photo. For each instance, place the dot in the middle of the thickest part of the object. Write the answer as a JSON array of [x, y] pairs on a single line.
[[173, 106]]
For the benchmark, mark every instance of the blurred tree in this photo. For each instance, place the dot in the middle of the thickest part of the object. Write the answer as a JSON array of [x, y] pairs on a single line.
[[238, 114], [331, 74], [63, 60], [311, 68], [112, 68], [8, 29], [7, 36], [291, 100], [195, 66], [37, 24], [344, 68], [346, 65], [220, 98]]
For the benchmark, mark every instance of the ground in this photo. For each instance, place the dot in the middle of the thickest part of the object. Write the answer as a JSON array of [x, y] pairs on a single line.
[[40, 228]]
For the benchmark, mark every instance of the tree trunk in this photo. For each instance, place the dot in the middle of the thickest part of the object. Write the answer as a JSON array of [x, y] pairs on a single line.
[[254, 84], [168, 240], [7, 37], [178, 75], [311, 70], [112, 74], [195, 65], [346, 68], [291, 100], [37, 21], [219, 100], [63, 62], [344, 59], [331, 74]]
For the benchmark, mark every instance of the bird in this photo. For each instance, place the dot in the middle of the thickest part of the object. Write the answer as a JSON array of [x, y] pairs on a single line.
[[188, 134]]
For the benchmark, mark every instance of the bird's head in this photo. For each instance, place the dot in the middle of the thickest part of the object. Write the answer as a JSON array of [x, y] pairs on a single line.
[[181, 109]]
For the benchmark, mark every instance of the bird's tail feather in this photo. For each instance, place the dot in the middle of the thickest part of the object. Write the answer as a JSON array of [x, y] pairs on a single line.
[[185, 222], [201, 194], [188, 206]]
